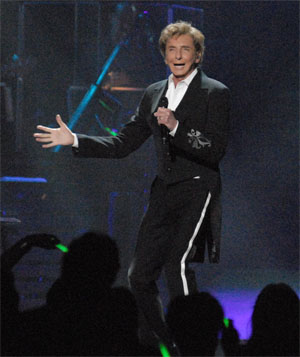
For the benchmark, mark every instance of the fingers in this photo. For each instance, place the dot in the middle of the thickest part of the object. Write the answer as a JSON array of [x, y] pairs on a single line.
[[42, 135], [45, 128], [59, 121], [166, 117], [44, 140], [46, 146], [161, 111], [161, 121], [54, 136], [43, 240], [50, 130], [162, 115]]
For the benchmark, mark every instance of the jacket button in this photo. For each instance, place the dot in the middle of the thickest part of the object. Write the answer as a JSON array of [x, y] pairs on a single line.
[[169, 169]]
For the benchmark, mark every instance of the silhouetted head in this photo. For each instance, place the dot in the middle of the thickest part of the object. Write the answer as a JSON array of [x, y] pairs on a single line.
[[275, 319], [195, 321], [94, 258]]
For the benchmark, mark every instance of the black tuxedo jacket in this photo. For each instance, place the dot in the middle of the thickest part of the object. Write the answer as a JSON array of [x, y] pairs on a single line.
[[195, 150]]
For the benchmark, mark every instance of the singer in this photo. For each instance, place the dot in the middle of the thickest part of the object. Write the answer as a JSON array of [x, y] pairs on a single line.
[[188, 116]]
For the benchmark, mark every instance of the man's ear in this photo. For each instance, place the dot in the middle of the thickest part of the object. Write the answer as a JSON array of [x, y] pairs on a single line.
[[198, 57]]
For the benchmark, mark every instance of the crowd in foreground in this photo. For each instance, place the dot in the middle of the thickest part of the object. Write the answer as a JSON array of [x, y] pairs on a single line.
[[85, 315]]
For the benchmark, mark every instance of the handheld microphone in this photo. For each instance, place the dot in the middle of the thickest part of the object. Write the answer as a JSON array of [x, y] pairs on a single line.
[[163, 129]]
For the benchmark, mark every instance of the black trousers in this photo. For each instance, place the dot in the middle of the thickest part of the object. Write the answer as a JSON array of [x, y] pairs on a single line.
[[165, 241]]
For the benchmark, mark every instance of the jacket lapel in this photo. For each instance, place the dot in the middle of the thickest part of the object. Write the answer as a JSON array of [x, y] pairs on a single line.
[[194, 98], [159, 91]]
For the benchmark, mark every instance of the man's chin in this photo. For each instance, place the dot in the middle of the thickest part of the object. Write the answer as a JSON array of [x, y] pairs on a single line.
[[179, 75], [182, 74]]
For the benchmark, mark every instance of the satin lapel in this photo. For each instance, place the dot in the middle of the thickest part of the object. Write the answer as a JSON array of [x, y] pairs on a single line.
[[194, 97], [158, 92]]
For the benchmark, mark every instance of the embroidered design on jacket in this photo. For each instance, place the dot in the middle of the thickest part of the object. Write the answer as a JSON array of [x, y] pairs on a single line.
[[197, 140]]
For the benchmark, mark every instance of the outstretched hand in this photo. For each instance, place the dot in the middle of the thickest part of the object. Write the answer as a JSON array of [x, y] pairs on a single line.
[[42, 240], [57, 136]]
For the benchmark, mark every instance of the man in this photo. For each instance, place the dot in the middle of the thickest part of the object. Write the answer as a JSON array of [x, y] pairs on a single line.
[[190, 135]]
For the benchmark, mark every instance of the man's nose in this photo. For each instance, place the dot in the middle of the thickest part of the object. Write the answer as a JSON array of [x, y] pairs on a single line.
[[178, 54]]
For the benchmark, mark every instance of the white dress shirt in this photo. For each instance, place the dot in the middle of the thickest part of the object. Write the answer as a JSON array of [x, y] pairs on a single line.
[[175, 94]]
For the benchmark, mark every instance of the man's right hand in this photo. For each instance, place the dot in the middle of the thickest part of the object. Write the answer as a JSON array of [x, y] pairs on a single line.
[[53, 137]]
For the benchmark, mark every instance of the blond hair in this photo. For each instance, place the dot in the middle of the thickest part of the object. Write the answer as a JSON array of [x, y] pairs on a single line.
[[182, 28]]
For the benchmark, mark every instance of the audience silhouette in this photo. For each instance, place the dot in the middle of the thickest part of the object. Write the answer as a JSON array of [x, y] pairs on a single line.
[[11, 318], [89, 317], [195, 322], [85, 315], [275, 323]]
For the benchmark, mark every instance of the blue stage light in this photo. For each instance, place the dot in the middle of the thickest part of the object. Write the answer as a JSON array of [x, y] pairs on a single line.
[[88, 96], [22, 179], [15, 57]]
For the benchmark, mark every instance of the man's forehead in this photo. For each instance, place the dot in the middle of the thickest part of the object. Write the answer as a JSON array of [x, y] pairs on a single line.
[[181, 40]]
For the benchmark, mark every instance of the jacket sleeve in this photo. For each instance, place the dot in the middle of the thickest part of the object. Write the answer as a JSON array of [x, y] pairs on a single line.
[[208, 143], [130, 137]]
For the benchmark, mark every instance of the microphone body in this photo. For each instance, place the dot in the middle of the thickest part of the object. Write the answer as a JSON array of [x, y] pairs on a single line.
[[164, 131]]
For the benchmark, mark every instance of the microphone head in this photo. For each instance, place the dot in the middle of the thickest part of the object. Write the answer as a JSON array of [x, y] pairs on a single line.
[[163, 102]]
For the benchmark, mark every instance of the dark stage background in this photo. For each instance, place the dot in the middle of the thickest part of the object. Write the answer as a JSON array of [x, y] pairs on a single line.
[[51, 54]]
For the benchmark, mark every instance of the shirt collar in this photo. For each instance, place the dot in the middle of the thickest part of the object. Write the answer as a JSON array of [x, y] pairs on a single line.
[[187, 80]]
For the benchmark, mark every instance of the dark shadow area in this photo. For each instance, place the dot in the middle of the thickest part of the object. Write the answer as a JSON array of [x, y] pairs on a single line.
[[84, 315]]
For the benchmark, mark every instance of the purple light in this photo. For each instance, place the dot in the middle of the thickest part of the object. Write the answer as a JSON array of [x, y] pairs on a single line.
[[145, 12]]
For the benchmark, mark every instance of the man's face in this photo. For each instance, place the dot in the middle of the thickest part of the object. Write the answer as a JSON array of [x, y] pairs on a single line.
[[180, 56]]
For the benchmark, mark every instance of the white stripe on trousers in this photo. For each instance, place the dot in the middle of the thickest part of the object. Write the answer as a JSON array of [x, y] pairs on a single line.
[[184, 281]]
